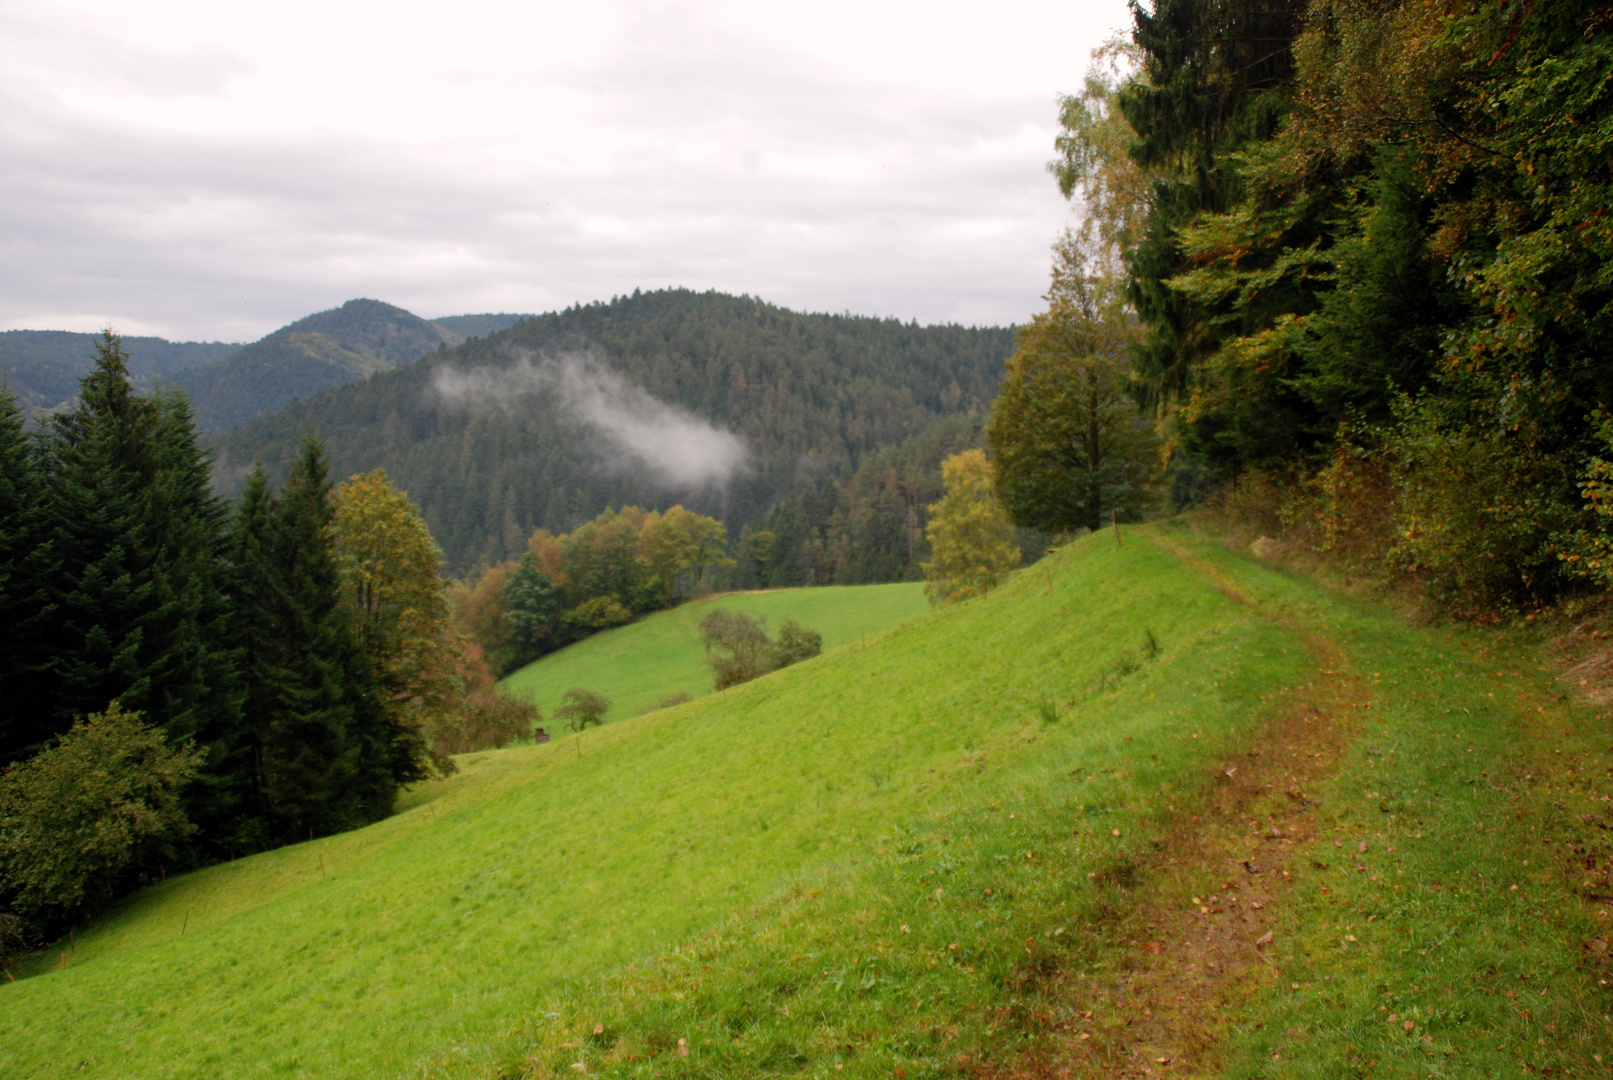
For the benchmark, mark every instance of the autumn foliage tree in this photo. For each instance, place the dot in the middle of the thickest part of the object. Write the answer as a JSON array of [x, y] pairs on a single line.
[[969, 532], [1068, 441]]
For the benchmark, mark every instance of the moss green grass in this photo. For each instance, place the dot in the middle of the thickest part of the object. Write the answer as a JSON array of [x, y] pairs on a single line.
[[660, 656], [875, 861]]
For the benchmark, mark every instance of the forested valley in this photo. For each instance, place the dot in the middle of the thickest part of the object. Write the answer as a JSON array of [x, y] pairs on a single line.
[[813, 398]]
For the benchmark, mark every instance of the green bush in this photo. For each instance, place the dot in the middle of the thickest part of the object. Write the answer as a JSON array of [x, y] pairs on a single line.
[[86, 817], [739, 650], [1478, 515], [795, 643]]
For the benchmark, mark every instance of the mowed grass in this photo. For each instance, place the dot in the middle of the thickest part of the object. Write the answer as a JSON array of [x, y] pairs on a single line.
[[660, 656], [912, 853]]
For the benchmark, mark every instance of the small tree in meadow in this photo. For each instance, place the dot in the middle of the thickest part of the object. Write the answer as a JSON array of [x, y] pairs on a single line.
[[579, 708], [739, 650], [969, 532], [737, 647], [795, 643]]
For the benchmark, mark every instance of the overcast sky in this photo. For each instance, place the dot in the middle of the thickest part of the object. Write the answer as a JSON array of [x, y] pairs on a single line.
[[207, 170]]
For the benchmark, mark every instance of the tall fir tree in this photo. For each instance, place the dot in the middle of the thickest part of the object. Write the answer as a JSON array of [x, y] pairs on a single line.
[[318, 728], [260, 653], [196, 686], [140, 614], [26, 571], [101, 467]]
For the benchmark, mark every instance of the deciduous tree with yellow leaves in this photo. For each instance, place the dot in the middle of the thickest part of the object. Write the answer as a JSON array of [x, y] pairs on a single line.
[[969, 532]]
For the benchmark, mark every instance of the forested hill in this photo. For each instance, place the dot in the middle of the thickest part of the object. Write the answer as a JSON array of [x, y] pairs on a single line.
[[43, 367], [323, 350], [546, 424]]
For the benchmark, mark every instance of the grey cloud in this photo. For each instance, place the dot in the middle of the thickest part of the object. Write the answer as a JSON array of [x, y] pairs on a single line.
[[228, 238], [641, 434]]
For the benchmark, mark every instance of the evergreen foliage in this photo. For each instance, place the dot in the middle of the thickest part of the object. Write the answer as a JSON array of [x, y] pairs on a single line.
[[44, 367], [326, 349], [328, 757], [139, 603], [27, 574], [1375, 234], [531, 612]]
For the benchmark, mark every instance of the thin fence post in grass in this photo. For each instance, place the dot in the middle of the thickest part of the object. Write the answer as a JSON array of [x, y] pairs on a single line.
[[186, 924], [321, 865], [64, 961], [9, 977], [1114, 520]]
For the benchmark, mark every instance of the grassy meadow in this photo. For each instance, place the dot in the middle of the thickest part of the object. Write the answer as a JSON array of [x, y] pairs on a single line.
[[661, 656], [1036, 831]]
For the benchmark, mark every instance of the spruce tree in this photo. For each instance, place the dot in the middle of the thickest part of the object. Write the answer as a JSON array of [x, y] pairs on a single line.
[[316, 723], [140, 615], [26, 571], [196, 689], [256, 606], [101, 466]]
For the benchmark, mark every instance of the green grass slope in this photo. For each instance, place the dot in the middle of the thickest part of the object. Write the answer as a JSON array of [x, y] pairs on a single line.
[[933, 853], [637, 665]]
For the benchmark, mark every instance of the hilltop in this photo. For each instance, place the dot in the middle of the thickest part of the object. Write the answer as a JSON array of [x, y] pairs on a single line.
[[325, 349], [229, 382], [520, 447], [1150, 804]]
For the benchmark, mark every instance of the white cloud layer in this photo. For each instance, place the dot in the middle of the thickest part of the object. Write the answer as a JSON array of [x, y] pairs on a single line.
[[205, 170], [641, 434]]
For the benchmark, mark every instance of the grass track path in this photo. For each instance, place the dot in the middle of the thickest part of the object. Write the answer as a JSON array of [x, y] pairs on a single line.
[[1199, 993]]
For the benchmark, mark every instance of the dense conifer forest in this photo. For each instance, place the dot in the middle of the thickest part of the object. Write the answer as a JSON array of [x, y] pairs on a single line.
[[1367, 247], [811, 396]]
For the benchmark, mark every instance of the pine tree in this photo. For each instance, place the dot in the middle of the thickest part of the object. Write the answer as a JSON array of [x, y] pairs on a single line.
[[260, 652], [26, 570], [195, 686], [140, 614], [322, 736], [101, 466]]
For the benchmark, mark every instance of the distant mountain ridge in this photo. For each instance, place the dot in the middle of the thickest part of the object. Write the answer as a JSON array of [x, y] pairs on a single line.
[[230, 382], [43, 367]]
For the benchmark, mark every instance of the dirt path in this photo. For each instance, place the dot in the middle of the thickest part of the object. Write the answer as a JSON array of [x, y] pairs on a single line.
[[1186, 967]]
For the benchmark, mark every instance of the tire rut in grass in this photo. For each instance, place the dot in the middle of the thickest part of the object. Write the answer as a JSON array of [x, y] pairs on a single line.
[[1183, 970]]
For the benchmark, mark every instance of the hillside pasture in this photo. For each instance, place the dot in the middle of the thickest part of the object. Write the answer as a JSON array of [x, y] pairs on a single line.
[[1151, 803], [660, 656]]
